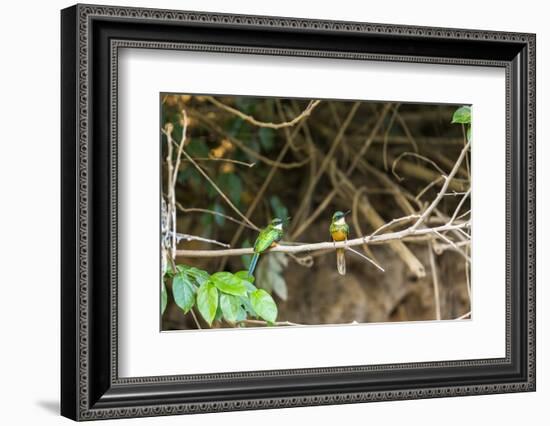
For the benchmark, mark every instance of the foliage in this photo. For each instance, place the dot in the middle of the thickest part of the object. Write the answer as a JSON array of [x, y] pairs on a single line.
[[227, 296], [463, 115]]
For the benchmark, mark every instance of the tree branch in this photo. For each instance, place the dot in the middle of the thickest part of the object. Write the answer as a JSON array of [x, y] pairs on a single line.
[[251, 120], [443, 190], [328, 245]]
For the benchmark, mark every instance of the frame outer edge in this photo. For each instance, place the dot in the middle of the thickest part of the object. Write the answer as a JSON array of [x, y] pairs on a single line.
[[80, 340]]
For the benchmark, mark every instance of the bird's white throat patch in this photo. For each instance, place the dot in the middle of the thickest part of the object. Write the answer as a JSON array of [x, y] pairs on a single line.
[[279, 226], [341, 221]]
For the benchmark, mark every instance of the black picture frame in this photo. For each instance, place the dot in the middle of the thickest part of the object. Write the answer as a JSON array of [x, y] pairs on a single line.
[[90, 386]]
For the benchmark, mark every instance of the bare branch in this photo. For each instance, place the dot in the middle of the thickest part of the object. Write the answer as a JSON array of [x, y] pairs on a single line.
[[444, 188], [328, 245], [366, 258], [413, 154], [455, 214], [188, 237], [251, 120]]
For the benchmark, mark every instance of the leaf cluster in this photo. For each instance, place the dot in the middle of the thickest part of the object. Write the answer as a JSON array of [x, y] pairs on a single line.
[[227, 296]]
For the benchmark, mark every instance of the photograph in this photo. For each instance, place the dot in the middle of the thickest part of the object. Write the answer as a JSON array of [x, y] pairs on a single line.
[[286, 212]]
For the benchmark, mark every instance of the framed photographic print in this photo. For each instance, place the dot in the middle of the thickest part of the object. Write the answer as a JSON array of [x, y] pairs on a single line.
[[263, 212]]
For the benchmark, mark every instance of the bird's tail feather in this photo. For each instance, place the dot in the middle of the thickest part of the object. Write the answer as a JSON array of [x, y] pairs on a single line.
[[253, 263], [341, 261]]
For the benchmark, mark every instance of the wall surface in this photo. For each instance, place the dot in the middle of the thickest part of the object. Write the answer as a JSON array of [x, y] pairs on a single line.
[[29, 212]]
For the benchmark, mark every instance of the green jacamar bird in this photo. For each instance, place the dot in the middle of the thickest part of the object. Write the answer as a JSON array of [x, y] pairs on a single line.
[[268, 236], [339, 231]]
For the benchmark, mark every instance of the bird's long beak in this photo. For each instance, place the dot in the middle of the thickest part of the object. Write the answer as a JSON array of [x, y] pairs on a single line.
[[347, 212]]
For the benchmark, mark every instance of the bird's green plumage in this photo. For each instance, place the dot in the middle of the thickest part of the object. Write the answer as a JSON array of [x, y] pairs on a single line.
[[267, 236], [272, 233]]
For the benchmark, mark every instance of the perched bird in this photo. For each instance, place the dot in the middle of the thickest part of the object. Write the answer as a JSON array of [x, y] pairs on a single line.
[[268, 237], [339, 231]]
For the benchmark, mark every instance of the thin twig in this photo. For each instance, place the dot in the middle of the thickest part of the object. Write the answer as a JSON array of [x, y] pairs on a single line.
[[413, 154], [188, 237], [215, 213], [226, 160], [427, 187], [407, 131], [466, 315], [251, 120], [386, 136], [453, 245], [440, 248], [435, 282], [455, 214], [443, 190], [366, 258], [355, 219]]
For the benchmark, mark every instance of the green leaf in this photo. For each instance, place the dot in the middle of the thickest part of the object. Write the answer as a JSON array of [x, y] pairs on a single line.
[[219, 313], [248, 307], [250, 287], [264, 305], [207, 301], [231, 307], [243, 275], [198, 275], [229, 283], [183, 291], [278, 208], [241, 314], [462, 115], [163, 298], [267, 138]]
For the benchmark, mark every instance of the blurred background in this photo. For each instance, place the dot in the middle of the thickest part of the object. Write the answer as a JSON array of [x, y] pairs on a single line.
[[382, 161]]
